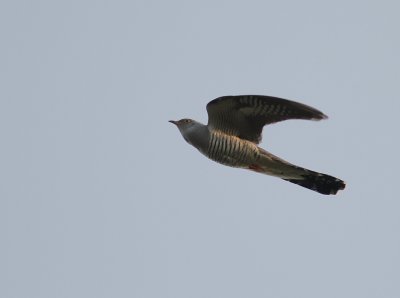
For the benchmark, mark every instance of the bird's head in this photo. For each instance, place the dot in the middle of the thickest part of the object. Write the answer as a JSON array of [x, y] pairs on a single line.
[[190, 129], [184, 124]]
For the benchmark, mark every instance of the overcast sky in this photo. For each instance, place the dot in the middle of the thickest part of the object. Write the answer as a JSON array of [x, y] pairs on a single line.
[[101, 197]]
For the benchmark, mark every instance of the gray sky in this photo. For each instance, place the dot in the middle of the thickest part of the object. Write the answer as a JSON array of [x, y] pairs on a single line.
[[101, 196]]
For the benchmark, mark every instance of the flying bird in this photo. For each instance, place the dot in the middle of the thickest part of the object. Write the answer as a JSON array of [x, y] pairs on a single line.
[[234, 130]]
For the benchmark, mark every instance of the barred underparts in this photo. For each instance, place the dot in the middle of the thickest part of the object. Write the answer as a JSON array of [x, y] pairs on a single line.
[[232, 151]]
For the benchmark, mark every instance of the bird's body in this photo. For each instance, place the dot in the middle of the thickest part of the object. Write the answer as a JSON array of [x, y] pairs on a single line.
[[234, 130], [231, 150]]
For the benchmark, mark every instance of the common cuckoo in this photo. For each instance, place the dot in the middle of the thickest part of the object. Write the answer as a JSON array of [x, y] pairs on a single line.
[[234, 129]]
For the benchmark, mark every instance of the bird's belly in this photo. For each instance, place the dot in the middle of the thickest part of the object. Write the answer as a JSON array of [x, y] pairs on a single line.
[[232, 151]]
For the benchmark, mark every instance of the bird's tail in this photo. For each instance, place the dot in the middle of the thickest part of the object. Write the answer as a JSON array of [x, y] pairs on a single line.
[[275, 166], [319, 182]]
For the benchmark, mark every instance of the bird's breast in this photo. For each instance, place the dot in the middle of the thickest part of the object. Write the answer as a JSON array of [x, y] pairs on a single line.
[[231, 150]]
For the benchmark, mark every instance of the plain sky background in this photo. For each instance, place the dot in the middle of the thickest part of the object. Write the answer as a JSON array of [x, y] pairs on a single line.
[[101, 197]]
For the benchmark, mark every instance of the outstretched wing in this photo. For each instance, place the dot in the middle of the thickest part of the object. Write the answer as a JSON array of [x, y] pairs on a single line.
[[244, 116]]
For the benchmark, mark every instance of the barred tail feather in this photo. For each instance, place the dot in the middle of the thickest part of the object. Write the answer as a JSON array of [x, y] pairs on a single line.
[[272, 165], [319, 182]]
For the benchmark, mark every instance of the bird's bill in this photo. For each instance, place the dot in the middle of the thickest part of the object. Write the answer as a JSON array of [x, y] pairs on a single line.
[[174, 122]]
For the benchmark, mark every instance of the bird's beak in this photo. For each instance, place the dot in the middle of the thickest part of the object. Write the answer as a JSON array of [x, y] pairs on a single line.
[[174, 122]]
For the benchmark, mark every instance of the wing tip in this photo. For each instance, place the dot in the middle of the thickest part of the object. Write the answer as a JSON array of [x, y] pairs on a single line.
[[319, 116]]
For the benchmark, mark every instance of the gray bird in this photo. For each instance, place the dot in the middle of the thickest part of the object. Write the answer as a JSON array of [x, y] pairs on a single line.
[[234, 129]]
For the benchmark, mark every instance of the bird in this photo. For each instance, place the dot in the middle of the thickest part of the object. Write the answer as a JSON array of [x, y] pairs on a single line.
[[234, 130]]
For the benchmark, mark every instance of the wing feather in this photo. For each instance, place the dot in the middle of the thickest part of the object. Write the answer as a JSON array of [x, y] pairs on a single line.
[[245, 116]]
